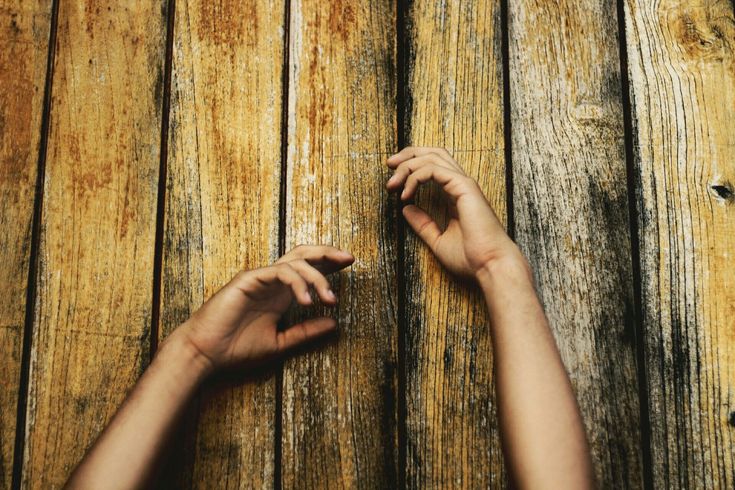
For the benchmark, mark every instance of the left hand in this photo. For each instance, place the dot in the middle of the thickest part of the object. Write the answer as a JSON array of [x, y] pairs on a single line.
[[238, 325]]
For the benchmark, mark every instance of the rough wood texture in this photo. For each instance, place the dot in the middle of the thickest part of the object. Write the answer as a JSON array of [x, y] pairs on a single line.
[[222, 212], [339, 410], [24, 33], [455, 85], [571, 211], [92, 319], [682, 72]]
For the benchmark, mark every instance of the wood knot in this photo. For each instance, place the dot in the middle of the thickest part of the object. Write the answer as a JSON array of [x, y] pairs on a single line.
[[703, 33], [722, 192]]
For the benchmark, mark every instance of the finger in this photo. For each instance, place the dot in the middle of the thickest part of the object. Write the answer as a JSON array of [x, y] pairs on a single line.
[[409, 166], [325, 258], [286, 275], [425, 227], [453, 183], [316, 279], [304, 332], [417, 151]]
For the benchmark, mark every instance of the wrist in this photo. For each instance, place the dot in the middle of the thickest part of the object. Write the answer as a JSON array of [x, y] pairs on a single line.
[[178, 353], [509, 269]]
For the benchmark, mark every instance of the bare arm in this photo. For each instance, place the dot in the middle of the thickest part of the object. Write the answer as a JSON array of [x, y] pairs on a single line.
[[236, 328], [542, 431]]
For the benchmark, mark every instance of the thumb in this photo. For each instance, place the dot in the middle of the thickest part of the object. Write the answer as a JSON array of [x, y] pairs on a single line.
[[304, 332], [422, 224]]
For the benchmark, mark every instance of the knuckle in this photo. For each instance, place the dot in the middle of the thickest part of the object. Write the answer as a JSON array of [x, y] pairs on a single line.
[[284, 270], [297, 262]]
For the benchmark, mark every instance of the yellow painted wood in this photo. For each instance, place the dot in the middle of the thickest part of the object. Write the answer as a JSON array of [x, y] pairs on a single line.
[[455, 88], [222, 209], [24, 31], [93, 312], [682, 75], [339, 409]]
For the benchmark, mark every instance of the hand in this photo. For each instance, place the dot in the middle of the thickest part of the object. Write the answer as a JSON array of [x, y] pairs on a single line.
[[238, 325], [474, 237]]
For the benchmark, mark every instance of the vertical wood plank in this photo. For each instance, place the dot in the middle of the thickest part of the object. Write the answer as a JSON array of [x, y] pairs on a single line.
[[24, 33], [571, 211], [682, 75], [222, 212], [92, 318], [455, 89], [339, 410]]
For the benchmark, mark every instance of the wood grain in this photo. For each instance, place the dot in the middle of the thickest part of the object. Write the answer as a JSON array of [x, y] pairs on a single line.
[[682, 74], [92, 319], [455, 86], [571, 211], [339, 409], [24, 34], [222, 211]]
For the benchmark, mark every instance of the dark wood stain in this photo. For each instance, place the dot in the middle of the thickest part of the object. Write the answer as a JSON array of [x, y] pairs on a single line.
[[24, 32], [378, 405]]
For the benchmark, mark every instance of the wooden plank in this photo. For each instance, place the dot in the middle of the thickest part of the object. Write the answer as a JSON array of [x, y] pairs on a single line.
[[455, 85], [682, 75], [24, 34], [92, 319], [339, 410], [222, 212], [571, 211]]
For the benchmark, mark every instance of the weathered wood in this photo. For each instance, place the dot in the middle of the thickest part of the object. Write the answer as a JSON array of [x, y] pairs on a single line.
[[92, 319], [24, 33], [455, 88], [339, 410], [571, 211], [222, 196], [682, 75]]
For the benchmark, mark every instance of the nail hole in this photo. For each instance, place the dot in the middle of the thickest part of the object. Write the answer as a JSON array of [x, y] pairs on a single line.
[[722, 191], [731, 420]]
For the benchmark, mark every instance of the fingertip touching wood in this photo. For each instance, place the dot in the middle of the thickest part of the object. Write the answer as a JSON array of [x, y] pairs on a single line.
[[222, 215], [682, 77], [339, 409], [377, 406], [455, 88]]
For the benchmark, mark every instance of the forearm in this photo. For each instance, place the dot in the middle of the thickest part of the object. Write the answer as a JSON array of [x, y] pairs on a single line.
[[542, 430], [126, 453]]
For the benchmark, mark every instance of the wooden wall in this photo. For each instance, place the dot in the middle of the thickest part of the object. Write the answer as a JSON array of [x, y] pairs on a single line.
[[149, 150]]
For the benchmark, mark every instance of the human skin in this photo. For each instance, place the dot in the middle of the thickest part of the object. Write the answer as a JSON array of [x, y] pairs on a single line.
[[542, 431], [541, 428], [235, 329]]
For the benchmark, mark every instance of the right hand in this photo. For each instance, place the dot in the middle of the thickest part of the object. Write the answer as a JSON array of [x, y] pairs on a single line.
[[474, 237]]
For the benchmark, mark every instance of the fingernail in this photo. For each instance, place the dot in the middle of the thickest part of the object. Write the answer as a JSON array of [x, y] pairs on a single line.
[[393, 177], [307, 297], [331, 295]]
